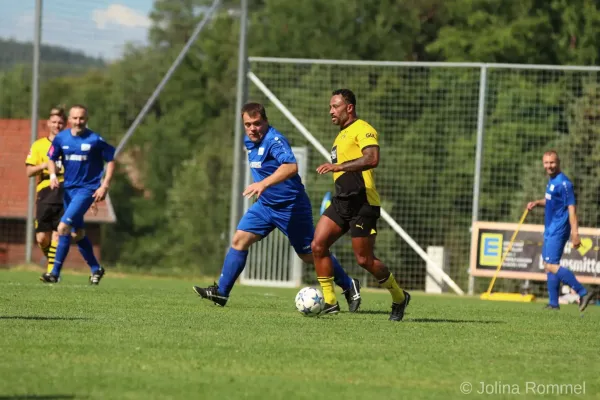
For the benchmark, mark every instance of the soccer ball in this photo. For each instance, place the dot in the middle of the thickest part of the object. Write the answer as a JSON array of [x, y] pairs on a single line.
[[310, 301]]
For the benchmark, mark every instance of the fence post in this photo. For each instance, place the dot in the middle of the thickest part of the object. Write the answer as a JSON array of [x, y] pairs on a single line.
[[478, 155], [241, 96], [35, 95]]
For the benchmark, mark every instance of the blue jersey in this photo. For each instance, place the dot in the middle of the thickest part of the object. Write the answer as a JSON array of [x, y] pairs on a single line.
[[83, 157], [559, 196], [264, 158]]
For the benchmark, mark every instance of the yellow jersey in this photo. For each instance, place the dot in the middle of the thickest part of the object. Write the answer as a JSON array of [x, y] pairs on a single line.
[[348, 146], [38, 154]]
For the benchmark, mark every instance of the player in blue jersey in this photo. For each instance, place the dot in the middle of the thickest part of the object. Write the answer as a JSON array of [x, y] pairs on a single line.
[[560, 223], [83, 153], [282, 203]]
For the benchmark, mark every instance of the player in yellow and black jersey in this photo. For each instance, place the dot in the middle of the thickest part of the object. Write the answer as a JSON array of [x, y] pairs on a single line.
[[49, 203], [355, 205]]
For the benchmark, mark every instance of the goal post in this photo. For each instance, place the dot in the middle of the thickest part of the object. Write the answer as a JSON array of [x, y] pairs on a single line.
[[393, 224]]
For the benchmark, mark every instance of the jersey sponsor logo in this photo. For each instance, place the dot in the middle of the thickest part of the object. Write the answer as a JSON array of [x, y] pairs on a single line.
[[256, 164], [86, 147], [76, 157], [548, 196], [261, 151], [334, 154]]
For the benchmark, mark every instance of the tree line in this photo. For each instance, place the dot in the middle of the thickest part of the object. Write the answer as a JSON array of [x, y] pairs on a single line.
[[172, 194]]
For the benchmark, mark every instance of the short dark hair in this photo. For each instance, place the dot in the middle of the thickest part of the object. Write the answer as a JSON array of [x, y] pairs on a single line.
[[346, 94], [58, 111], [81, 107], [253, 109]]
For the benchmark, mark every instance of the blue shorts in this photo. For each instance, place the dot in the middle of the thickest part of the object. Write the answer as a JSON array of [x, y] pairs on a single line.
[[77, 202], [553, 248], [295, 221]]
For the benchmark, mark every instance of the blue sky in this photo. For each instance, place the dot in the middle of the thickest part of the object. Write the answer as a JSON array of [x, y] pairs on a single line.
[[96, 27]]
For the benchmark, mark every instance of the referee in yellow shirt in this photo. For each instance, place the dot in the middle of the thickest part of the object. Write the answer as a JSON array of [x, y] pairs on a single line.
[[355, 206]]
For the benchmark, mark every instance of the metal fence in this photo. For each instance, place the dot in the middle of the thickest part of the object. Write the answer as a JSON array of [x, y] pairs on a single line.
[[461, 142]]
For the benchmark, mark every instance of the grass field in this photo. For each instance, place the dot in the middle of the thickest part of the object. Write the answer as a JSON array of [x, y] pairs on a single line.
[[142, 338]]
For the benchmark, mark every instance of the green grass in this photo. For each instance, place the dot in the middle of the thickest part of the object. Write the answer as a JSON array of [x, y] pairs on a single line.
[[141, 338]]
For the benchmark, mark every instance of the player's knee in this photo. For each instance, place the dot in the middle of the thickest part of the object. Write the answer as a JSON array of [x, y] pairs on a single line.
[[365, 261], [551, 267], [63, 229], [242, 240], [319, 249], [78, 235], [42, 239]]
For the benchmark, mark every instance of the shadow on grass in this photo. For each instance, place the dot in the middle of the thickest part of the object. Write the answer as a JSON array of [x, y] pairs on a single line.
[[39, 397], [40, 318], [435, 320], [452, 321]]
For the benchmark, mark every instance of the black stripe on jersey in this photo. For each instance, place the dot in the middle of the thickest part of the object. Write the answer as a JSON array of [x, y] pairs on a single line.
[[349, 183]]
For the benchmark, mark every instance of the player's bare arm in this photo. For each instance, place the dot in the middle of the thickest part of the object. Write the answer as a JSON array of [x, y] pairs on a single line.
[[33, 170], [537, 203], [100, 193], [284, 172], [575, 240], [369, 160], [54, 184]]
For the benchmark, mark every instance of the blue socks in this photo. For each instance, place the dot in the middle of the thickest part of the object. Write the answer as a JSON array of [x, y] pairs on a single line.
[[234, 264], [340, 277], [567, 277], [235, 261], [553, 287], [87, 251], [85, 248], [64, 242]]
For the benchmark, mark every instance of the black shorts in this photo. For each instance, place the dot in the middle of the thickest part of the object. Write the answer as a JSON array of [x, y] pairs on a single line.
[[355, 214], [47, 216]]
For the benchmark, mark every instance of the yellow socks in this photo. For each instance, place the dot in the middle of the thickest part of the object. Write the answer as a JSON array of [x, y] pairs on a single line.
[[327, 288], [390, 284], [44, 249], [50, 255]]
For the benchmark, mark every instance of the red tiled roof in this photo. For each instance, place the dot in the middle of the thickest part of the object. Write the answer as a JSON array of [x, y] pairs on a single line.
[[14, 145]]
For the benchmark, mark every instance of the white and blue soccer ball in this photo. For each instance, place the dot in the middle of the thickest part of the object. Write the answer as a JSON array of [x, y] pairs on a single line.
[[310, 301]]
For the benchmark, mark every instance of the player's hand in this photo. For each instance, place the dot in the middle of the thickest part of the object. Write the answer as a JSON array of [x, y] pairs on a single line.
[[327, 167], [575, 241], [100, 193], [54, 184], [531, 205], [256, 189]]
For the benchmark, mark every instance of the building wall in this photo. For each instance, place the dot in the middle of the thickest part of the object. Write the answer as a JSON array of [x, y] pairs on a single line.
[[12, 245]]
